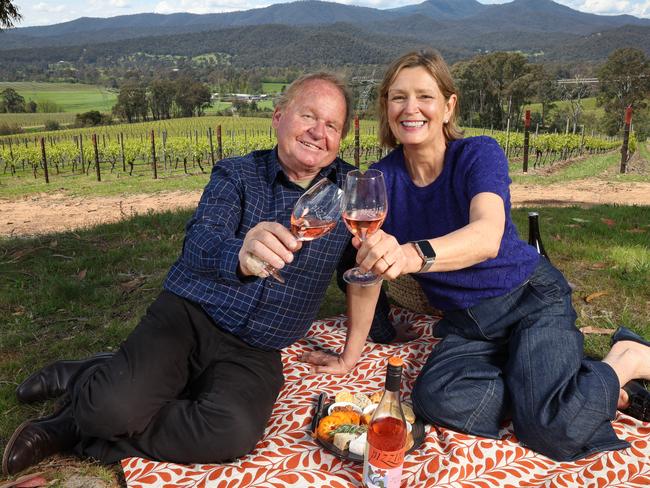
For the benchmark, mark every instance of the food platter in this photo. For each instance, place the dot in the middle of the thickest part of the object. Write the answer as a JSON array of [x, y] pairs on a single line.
[[416, 434]]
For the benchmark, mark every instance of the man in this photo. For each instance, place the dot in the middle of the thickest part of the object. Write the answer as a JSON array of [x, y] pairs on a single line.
[[196, 380]]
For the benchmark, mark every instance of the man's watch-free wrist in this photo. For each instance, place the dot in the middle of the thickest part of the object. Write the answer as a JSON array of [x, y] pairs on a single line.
[[426, 252]]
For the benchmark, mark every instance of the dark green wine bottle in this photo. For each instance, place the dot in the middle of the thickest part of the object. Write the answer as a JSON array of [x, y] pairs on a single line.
[[534, 237]]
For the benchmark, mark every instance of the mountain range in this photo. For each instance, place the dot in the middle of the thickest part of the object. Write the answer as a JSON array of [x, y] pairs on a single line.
[[331, 33]]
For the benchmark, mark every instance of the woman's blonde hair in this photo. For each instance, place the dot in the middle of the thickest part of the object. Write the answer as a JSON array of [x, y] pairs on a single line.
[[432, 61]]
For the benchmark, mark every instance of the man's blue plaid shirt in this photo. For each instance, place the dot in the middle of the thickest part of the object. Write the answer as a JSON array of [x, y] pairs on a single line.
[[243, 192]]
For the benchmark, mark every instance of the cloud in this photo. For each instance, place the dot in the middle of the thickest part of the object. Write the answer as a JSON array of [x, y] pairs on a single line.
[[638, 8], [119, 3], [47, 8], [381, 4], [207, 6]]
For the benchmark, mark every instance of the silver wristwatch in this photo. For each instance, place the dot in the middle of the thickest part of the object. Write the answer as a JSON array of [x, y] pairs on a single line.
[[426, 252]]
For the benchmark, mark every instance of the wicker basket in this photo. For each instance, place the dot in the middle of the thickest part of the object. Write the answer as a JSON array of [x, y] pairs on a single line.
[[407, 293]]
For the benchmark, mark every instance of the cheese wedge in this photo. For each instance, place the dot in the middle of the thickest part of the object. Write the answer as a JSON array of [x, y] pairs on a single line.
[[342, 441]]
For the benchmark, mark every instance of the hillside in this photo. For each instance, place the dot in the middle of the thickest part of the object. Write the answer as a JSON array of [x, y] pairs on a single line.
[[467, 17], [314, 33]]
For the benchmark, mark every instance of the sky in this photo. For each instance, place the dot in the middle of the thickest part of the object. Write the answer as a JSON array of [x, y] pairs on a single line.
[[46, 12]]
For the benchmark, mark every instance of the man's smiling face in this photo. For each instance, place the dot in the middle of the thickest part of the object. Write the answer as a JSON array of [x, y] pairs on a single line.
[[309, 129]]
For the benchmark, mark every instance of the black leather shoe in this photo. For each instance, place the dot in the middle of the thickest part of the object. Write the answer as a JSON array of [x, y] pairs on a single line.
[[639, 398], [53, 380], [35, 440]]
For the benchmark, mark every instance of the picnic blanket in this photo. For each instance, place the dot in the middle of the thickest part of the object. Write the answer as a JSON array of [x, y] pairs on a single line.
[[287, 456]]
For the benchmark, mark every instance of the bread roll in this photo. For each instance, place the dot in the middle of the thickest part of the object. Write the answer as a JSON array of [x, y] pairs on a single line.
[[344, 396]]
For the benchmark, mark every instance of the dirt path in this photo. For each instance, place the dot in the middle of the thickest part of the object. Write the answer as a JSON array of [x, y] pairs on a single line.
[[45, 213]]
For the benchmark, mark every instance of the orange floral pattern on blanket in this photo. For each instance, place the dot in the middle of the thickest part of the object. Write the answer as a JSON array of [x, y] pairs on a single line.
[[287, 456]]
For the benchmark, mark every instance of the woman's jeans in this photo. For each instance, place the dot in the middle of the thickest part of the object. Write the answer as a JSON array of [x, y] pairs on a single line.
[[520, 356]]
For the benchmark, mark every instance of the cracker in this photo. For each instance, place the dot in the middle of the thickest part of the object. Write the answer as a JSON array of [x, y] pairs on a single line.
[[362, 400], [344, 396]]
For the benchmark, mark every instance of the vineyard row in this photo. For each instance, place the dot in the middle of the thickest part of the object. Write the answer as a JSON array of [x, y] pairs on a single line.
[[138, 154]]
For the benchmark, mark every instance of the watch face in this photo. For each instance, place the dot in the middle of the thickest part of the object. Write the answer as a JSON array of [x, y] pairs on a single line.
[[426, 249]]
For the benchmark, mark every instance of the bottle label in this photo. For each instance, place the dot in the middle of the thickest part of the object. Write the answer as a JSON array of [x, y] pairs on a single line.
[[383, 468]]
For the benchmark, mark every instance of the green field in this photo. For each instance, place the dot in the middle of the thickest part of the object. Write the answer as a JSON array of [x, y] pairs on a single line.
[[75, 98], [589, 106], [71, 97], [273, 87], [218, 106]]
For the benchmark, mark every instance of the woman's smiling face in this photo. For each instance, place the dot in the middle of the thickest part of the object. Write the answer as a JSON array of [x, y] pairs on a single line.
[[417, 109]]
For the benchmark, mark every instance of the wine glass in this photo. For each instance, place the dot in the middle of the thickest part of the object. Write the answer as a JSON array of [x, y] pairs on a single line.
[[364, 210], [314, 215]]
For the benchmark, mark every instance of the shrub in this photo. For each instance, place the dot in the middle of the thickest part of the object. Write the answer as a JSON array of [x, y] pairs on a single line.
[[7, 129], [92, 118], [52, 125]]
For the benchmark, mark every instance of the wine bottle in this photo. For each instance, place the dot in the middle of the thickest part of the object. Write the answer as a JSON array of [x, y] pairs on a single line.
[[384, 455], [534, 237]]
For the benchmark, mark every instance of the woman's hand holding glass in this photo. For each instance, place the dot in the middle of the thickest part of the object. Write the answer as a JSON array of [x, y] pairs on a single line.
[[364, 210], [382, 254]]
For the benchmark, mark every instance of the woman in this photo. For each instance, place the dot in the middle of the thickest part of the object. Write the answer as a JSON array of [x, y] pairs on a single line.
[[509, 347]]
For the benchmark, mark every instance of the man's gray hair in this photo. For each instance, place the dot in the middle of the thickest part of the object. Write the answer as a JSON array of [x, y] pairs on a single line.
[[292, 90]]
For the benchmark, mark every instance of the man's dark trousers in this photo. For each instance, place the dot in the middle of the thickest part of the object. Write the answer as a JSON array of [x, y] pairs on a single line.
[[179, 389]]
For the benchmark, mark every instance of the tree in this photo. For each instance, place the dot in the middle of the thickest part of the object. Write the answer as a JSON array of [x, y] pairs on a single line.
[[161, 98], [574, 94], [8, 14], [90, 118], [547, 92], [132, 102], [494, 87], [192, 97], [11, 101], [624, 81]]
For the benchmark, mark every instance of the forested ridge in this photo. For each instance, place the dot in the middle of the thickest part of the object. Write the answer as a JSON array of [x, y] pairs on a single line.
[[331, 45], [314, 33]]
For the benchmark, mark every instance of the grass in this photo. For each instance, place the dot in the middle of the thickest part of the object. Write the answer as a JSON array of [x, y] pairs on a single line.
[[112, 184], [72, 294], [604, 166], [273, 87], [589, 106], [71, 97], [590, 167], [219, 106]]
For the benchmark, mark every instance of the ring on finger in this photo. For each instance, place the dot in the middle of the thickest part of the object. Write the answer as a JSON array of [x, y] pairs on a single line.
[[388, 265]]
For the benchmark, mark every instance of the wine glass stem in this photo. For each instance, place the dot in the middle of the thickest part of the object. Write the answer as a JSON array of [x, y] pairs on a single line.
[[272, 271]]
